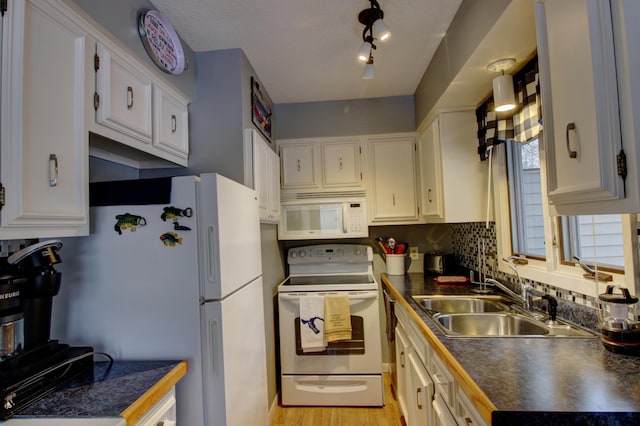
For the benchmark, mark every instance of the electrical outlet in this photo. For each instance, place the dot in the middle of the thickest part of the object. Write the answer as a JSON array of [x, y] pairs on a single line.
[[413, 253]]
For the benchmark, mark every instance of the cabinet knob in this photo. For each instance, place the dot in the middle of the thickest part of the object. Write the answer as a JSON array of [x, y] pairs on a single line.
[[572, 154], [53, 170], [129, 97]]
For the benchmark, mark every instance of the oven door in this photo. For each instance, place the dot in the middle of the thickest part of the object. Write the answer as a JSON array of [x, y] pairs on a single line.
[[360, 355]]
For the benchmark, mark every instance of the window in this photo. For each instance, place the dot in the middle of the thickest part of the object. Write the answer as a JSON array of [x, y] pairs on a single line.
[[525, 197], [593, 239]]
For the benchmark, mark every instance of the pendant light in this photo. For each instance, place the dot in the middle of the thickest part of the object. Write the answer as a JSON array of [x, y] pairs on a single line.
[[504, 98]]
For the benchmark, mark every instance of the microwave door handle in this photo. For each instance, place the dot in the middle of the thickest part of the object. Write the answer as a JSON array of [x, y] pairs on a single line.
[[345, 208]]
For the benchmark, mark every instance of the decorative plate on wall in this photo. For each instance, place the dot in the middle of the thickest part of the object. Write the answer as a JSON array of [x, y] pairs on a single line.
[[161, 42]]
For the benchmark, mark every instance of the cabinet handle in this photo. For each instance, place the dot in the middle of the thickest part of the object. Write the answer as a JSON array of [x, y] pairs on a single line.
[[418, 398], [53, 170], [340, 163], [429, 195], [129, 97], [394, 199], [174, 123], [570, 126], [298, 165], [402, 359]]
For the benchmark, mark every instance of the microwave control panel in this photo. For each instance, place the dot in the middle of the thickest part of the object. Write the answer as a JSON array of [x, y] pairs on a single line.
[[354, 217]]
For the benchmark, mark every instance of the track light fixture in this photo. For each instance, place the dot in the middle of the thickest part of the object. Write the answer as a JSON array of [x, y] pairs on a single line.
[[374, 29]]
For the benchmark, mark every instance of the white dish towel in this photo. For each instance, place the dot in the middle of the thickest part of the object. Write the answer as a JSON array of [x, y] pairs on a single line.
[[312, 323]]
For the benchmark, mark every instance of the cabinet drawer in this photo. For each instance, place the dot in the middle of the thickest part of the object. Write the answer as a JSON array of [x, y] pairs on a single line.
[[442, 380], [162, 413], [420, 345], [402, 315]]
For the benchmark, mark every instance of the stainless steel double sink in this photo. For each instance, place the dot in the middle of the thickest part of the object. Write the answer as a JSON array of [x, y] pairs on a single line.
[[491, 316]]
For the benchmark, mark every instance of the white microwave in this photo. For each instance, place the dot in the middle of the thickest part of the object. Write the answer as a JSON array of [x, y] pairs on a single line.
[[323, 218]]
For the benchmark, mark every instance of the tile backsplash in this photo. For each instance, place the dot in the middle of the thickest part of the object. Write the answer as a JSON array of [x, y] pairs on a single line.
[[8, 247]]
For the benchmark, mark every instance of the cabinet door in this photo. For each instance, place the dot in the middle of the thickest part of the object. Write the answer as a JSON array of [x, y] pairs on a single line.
[[47, 87], [171, 133], [341, 164], [402, 366], [430, 171], [125, 96], [580, 100], [299, 166], [420, 395], [274, 188], [393, 164]]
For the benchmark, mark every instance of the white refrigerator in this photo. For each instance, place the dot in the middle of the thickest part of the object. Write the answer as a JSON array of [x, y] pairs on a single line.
[[174, 275]]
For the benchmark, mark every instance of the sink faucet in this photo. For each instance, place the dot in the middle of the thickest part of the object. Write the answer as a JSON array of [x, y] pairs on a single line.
[[522, 298], [525, 298]]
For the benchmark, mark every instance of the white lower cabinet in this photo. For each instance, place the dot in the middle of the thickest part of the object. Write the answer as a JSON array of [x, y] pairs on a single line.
[[402, 349], [421, 393], [427, 391], [163, 413]]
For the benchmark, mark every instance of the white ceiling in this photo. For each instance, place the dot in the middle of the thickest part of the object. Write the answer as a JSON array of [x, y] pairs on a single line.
[[305, 50]]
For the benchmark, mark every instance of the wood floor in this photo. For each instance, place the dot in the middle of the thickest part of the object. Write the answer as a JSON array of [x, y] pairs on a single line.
[[389, 415]]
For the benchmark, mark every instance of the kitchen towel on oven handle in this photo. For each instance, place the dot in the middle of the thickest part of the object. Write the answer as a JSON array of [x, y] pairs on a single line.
[[312, 335], [337, 317]]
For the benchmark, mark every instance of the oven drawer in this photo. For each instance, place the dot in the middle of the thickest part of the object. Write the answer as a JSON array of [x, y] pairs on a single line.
[[343, 390]]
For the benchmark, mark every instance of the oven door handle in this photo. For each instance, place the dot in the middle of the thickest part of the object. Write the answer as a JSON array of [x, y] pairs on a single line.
[[296, 296]]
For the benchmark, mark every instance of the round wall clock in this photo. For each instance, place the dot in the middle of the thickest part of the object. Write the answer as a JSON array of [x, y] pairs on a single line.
[[161, 42]]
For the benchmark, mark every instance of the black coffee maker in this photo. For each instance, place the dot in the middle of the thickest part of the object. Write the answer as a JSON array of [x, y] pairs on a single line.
[[42, 365], [11, 312], [36, 263]]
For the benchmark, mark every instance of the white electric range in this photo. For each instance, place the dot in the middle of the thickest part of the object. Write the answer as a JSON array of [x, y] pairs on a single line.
[[347, 372]]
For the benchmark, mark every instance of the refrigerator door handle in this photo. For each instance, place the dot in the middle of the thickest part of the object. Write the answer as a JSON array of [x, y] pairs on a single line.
[[211, 257], [214, 338]]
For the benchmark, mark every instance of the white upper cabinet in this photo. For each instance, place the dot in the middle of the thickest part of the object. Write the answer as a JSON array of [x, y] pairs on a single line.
[[262, 173], [171, 123], [300, 162], [124, 91], [453, 180], [341, 163], [588, 103], [321, 164], [393, 194], [142, 118], [137, 110], [47, 86]]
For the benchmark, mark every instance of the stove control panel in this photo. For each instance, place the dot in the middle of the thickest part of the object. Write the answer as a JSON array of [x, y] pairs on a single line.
[[334, 253]]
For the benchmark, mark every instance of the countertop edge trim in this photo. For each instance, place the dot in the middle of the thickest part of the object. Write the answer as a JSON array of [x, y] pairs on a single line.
[[473, 391], [141, 405]]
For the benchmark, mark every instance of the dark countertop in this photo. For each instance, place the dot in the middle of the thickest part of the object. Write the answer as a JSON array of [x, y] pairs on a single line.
[[127, 389], [538, 380]]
